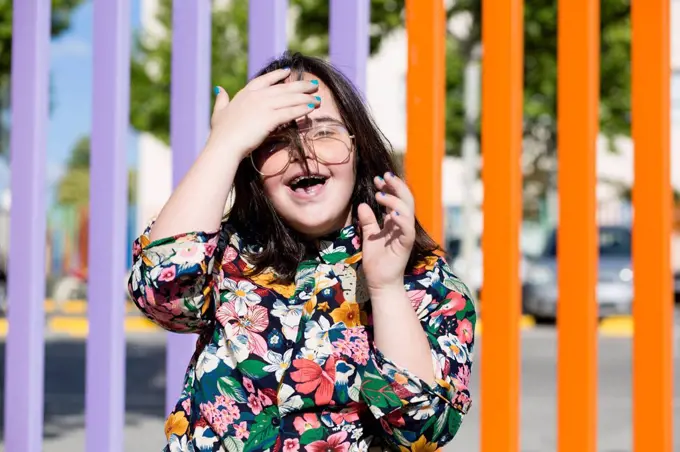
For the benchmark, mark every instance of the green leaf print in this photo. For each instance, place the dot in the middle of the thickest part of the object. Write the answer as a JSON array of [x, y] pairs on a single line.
[[232, 389], [263, 432], [455, 419], [379, 393], [441, 422], [312, 435], [252, 368], [400, 437], [335, 257], [233, 444], [457, 285]]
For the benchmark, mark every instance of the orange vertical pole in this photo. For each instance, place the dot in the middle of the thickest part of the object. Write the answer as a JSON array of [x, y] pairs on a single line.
[[425, 97], [652, 201], [577, 123], [502, 103]]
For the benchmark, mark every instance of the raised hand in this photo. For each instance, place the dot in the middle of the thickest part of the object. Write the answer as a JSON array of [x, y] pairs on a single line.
[[386, 250], [264, 104]]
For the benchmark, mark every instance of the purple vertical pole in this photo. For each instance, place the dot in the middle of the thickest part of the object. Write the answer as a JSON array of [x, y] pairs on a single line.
[[105, 387], [350, 39], [266, 32], [189, 126], [24, 362]]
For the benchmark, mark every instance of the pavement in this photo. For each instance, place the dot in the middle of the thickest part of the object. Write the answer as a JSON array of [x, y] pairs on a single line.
[[65, 386]]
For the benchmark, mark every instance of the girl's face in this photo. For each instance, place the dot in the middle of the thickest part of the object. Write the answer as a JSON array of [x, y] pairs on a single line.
[[318, 202]]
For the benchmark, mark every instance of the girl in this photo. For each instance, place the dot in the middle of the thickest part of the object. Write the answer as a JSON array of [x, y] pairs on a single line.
[[327, 320]]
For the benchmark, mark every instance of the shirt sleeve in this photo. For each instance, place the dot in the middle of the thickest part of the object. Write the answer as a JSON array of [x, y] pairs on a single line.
[[415, 415], [172, 279]]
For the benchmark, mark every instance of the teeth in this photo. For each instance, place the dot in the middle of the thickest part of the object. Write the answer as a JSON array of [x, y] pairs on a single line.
[[301, 178]]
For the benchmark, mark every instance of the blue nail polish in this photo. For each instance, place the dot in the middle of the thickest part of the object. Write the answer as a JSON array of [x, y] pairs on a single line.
[[315, 82], [311, 105], [381, 179], [286, 68], [390, 175], [318, 98], [382, 193], [216, 90], [396, 213]]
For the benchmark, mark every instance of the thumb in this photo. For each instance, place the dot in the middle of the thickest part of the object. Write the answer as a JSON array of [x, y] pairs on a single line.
[[221, 99], [367, 221]]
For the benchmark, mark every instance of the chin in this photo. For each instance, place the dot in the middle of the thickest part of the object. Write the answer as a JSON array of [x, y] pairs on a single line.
[[318, 227]]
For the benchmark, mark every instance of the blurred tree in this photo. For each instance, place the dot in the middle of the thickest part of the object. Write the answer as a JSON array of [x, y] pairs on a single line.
[[151, 66], [151, 69], [74, 187], [61, 20]]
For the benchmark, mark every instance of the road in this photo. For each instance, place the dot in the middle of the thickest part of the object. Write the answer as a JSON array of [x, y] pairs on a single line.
[[65, 384]]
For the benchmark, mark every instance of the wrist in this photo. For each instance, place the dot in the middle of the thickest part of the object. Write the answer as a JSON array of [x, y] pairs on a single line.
[[387, 291], [224, 151]]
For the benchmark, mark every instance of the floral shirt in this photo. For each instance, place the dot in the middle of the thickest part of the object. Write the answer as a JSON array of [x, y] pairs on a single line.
[[288, 368]]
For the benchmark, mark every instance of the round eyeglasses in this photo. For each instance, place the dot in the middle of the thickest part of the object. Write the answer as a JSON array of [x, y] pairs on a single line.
[[330, 144]]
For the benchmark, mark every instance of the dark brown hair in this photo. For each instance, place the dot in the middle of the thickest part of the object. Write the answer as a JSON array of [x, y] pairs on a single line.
[[273, 243]]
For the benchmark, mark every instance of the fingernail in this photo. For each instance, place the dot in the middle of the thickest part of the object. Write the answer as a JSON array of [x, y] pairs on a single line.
[[390, 174], [315, 82], [286, 68], [381, 179], [318, 98], [396, 213], [311, 105], [216, 90], [382, 193]]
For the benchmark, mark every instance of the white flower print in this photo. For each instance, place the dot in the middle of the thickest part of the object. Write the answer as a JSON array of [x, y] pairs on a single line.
[[453, 347], [288, 404], [241, 293], [290, 317], [236, 346], [278, 363]]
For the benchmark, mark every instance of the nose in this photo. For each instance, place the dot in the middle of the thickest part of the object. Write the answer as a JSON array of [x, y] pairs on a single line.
[[305, 147]]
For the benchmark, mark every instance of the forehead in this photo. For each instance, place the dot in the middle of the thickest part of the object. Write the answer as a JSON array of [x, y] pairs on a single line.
[[327, 109]]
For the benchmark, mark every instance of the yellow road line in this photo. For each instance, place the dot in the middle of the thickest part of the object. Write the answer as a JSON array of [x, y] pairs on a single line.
[[619, 326], [525, 322]]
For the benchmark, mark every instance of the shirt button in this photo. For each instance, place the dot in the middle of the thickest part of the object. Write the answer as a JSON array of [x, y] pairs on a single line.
[[276, 421], [290, 343]]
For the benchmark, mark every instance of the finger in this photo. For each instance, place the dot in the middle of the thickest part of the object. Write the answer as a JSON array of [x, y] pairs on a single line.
[[268, 79], [393, 203], [404, 223], [293, 100], [397, 187], [367, 221], [301, 86], [221, 99], [286, 115]]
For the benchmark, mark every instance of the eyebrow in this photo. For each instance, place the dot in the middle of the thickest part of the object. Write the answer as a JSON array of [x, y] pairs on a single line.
[[310, 122]]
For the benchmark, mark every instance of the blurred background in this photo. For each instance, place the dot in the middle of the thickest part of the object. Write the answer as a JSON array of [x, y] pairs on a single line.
[[149, 159]]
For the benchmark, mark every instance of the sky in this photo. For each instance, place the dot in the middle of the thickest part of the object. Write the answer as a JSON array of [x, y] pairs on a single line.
[[71, 74]]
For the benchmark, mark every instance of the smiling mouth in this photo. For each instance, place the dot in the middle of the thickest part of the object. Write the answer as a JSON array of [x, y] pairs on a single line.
[[307, 183]]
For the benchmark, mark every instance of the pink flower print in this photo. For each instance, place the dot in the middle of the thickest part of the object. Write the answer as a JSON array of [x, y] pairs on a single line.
[[356, 241], [186, 406], [188, 255], [464, 331], [334, 443], [463, 376], [306, 422], [454, 303], [264, 399], [140, 302], [416, 297], [255, 320], [168, 273], [241, 430], [230, 254], [254, 404], [209, 248], [248, 384], [291, 445]]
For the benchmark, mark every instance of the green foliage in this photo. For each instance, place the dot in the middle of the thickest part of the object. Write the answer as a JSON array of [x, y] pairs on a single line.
[[150, 94], [61, 20], [74, 187]]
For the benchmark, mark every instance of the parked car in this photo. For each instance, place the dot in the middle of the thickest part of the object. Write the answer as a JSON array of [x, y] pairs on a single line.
[[614, 289]]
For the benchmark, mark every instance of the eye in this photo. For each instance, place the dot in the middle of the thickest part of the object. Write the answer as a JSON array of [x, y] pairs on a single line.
[[324, 132]]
